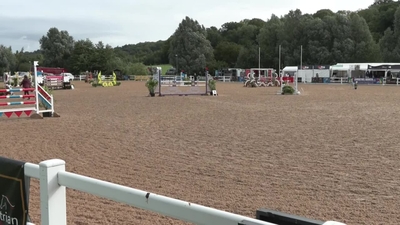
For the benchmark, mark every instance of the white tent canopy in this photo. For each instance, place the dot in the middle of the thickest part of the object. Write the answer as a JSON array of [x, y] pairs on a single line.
[[290, 69], [340, 67]]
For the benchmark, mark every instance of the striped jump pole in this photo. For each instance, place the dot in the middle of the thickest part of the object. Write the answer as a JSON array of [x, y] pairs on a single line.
[[17, 103], [17, 90], [17, 96]]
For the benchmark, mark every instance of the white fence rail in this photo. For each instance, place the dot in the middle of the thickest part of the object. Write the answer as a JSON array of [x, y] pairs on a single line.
[[224, 78], [80, 77], [340, 80], [397, 81], [54, 180], [169, 83], [177, 78]]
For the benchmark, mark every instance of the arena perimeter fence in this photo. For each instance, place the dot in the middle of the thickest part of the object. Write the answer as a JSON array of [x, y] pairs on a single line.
[[54, 180], [315, 80]]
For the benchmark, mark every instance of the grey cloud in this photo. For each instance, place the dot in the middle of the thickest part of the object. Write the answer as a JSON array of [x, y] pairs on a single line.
[[19, 35], [73, 26], [28, 31], [122, 22]]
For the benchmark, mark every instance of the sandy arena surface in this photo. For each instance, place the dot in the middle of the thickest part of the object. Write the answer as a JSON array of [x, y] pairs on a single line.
[[329, 154]]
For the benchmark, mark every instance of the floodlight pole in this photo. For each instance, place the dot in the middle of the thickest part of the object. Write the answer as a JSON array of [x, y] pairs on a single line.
[[35, 64], [301, 66], [259, 62], [176, 62]]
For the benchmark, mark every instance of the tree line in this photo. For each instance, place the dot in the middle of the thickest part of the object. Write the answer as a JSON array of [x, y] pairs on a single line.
[[368, 35]]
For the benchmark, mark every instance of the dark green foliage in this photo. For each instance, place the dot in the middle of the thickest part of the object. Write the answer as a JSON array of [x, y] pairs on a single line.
[[212, 84], [190, 49], [57, 47], [390, 42], [151, 84], [287, 90]]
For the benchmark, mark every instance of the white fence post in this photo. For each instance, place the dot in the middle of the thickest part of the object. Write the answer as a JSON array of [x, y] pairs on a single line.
[[53, 202]]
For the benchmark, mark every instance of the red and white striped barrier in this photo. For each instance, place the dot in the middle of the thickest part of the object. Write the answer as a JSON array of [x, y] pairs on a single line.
[[40, 98]]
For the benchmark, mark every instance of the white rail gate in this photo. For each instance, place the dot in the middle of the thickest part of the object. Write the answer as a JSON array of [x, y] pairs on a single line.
[[54, 180]]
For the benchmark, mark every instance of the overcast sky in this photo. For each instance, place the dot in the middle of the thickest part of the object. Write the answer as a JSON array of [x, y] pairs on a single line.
[[120, 22]]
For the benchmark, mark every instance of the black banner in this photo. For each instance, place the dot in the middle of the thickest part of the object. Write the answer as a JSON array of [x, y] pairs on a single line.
[[384, 67], [13, 193]]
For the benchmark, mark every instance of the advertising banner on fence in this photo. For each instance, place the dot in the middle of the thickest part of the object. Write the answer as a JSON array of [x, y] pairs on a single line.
[[13, 193], [368, 80]]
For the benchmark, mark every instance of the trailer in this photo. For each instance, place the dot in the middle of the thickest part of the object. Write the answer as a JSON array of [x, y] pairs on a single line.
[[63, 81]]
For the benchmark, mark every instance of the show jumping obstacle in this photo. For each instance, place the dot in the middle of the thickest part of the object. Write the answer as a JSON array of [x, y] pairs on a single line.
[[107, 82], [16, 78], [41, 97], [175, 85]]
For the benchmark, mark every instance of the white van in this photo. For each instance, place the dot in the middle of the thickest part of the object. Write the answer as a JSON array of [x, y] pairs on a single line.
[[68, 77]]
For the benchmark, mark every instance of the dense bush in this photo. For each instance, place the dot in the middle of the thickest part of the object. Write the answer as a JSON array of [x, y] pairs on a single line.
[[287, 90]]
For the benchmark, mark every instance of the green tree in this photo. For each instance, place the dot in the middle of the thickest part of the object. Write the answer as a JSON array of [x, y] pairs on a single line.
[[24, 59], [316, 49], [145, 51], [115, 63], [82, 57], [227, 52], [390, 43], [214, 36], [190, 47], [101, 57], [229, 31], [7, 59], [136, 69], [57, 47], [248, 34], [19, 55], [29, 57], [380, 17], [269, 41], [292, 36], [248, 57], [322, 13], [259, 23], [365, 49], [165, 51]]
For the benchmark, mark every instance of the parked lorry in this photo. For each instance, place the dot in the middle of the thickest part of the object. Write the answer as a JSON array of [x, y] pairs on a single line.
[[60, 81]]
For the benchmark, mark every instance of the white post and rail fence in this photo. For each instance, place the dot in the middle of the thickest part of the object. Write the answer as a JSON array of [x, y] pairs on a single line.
[[53, 206]]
